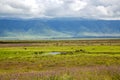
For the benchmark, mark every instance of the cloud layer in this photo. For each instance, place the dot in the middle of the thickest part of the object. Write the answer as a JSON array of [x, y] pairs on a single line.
[[93, 9]]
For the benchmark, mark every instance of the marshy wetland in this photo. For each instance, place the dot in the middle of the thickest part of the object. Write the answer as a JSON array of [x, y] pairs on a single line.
[[60, 60]]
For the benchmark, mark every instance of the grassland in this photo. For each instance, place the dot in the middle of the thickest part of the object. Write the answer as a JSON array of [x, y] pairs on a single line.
[[77, 60]]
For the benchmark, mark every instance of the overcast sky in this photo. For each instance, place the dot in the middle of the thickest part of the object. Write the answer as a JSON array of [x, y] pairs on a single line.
[[91, 9]]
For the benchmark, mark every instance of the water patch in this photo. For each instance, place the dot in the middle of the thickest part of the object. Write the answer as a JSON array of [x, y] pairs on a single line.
[[54, 53]]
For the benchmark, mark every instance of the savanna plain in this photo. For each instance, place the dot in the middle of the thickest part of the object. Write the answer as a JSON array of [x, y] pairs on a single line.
[[60, 60]]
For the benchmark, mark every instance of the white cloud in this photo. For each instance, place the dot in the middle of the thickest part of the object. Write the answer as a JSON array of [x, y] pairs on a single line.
[[98, 9], [102, 10], [77, 5]]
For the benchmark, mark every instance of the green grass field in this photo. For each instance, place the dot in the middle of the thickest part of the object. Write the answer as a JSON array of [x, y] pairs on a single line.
[[74, 62]]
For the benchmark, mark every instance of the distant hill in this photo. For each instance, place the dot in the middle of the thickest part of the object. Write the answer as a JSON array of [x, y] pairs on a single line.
[[58, 28]]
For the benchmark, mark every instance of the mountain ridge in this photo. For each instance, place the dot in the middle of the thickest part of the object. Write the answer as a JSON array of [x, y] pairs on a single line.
[[58, 28]]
